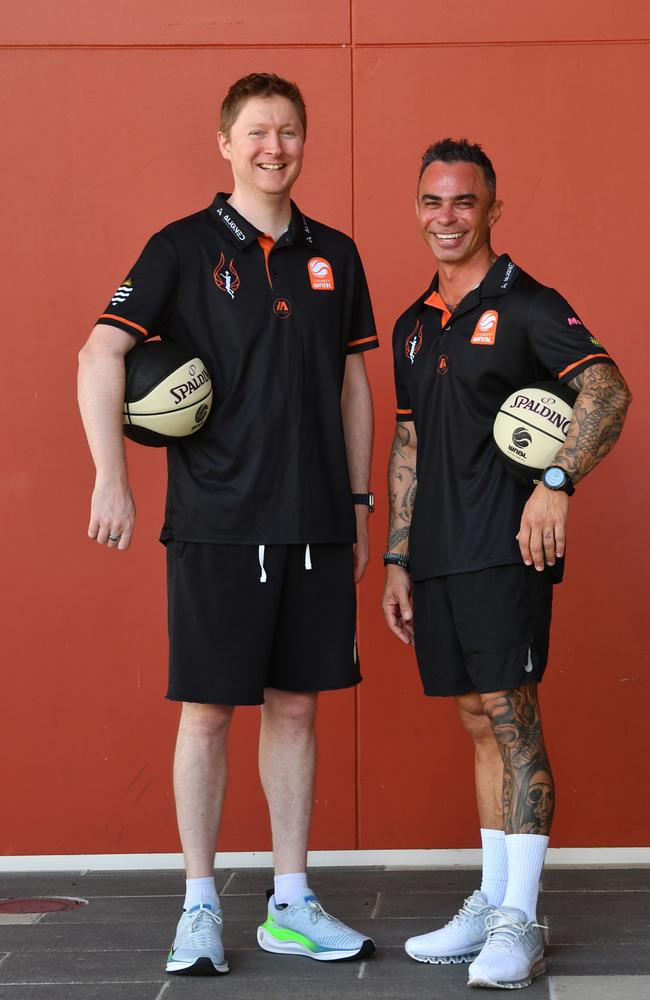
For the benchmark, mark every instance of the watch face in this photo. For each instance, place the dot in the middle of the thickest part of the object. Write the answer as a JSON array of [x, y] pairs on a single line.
[[555, 477]]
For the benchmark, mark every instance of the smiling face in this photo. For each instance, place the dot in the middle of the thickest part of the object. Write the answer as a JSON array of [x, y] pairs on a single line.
[[265, 146], [456, 211]]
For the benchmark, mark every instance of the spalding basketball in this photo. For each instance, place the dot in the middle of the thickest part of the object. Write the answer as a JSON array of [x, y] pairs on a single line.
[[531, 426], [168, 393]]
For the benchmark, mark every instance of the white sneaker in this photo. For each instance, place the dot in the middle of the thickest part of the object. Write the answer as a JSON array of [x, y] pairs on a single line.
[[458, 941], [197, 949], [513, 954]]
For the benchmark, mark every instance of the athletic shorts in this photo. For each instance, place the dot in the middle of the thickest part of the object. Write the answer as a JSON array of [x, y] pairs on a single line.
[[482, 631], [245, 617]]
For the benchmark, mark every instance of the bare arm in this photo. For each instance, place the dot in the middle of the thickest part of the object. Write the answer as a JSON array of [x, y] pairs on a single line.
[[402, 484], [356, 413], [598, 417], [101, 398]]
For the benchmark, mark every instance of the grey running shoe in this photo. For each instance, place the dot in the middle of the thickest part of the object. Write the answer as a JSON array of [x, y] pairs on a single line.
[[197, 949], [460, 940], [306, 929], [513, 954]]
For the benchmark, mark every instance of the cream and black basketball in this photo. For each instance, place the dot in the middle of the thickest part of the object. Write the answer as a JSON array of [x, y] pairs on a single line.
[[168, 393], [531, 426]]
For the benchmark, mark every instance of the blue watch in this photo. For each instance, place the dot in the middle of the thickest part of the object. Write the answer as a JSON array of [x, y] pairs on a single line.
[[555, 478]]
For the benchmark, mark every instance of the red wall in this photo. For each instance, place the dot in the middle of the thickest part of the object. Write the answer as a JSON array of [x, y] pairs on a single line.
[[108, 133]]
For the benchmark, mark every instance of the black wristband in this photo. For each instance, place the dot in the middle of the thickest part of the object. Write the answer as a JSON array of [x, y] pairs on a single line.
[[366, 499], [396, 559]]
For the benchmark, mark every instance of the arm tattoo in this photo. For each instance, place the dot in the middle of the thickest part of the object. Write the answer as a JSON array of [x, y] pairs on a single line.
[[528, 789], [402, 485], [598, 415]]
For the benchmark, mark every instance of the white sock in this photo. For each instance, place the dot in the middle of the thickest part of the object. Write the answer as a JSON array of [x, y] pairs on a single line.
[[495, 866], [290, 888], [201, 890], [526, 853]]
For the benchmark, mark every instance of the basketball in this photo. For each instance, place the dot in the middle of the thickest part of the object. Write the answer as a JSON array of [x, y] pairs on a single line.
[[531, 426], [168, 393]]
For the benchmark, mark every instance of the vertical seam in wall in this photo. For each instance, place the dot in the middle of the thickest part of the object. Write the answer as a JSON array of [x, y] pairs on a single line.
[[357, 693]]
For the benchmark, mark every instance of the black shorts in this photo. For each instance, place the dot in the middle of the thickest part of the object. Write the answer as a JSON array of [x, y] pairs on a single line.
[[482, 631], [232, 635]]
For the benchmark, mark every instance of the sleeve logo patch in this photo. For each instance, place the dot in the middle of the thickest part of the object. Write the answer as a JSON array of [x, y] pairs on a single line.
[[122, 293], [574, 321], [486, 329], [320, 274]]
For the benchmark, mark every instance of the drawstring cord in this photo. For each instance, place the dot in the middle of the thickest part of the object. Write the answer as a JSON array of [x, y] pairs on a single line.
[[260, 555]]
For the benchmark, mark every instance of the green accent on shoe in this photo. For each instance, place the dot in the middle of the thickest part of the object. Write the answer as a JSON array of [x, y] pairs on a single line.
[[282, 934]]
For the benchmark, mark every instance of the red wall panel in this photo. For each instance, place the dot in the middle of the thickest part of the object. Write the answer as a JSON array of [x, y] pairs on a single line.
[[426, 22], [107, 139], [170, 22], [552, 120], [102, 148]]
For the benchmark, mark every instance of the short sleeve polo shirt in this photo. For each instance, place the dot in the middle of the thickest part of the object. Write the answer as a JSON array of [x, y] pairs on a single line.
[[273, 323], [452, 373]]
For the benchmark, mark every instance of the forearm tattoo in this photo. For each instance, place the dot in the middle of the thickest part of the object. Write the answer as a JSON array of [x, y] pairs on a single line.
[[402, 485], [598, 416], [528, 789]]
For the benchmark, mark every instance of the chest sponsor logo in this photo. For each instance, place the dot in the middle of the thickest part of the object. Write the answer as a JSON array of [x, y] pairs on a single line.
[[122, 293], [320, 274], [226, 278], [486, 329], [443, 365], [282, 308], [413, 343]]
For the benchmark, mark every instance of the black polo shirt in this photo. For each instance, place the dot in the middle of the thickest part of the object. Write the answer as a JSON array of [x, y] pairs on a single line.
[[452, 372], [273, 324]]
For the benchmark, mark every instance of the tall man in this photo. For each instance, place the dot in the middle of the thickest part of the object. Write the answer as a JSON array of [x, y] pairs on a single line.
[[262, 505], [472, 555]]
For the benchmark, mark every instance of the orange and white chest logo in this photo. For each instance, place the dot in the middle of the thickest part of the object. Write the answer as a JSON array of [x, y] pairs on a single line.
[[485, 331], [226, 278], [320, 274], [413, 343]]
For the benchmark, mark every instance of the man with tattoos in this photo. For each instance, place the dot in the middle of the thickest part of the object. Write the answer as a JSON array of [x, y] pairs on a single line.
[[472, 554]]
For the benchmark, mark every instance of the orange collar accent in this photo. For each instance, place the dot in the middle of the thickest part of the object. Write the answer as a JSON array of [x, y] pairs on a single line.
[[438, 302]]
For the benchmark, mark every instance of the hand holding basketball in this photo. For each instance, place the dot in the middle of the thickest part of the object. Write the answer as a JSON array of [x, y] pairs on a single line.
[[112, 515], [542, 534]]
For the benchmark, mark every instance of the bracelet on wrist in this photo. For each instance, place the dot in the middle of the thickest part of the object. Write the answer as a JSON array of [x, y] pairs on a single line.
[[397, 559]]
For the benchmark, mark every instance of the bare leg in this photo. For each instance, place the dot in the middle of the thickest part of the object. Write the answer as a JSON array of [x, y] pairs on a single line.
[[488, 762], [200, 771], [528, 789], [287, 761]]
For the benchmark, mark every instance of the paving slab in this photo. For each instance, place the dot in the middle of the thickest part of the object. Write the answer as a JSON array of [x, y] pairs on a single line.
[[87, 991], [600, 987]]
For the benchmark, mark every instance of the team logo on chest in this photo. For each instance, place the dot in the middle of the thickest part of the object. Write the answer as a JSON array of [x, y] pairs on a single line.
[[282, 308], [486, 329], [226, 278], [413, 343], [320, 274]]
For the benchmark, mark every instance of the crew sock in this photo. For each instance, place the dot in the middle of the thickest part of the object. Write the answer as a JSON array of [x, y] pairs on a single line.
[[526, 853], [495, 866], [291, 888], [201, 890]]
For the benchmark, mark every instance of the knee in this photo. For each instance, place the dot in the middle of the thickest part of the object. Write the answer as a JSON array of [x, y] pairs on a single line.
[[474, 720], [289, 707], [206, 722]]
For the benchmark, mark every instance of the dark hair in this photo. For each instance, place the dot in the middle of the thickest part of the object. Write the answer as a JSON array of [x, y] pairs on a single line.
[[260, 85], [461, 151]]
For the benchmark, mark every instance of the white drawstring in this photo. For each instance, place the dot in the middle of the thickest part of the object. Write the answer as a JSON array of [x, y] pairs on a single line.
[[260, 555], [307, 557]]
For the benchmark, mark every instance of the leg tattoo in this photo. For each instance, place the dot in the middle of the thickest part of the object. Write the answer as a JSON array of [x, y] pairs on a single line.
[[528, 790]]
